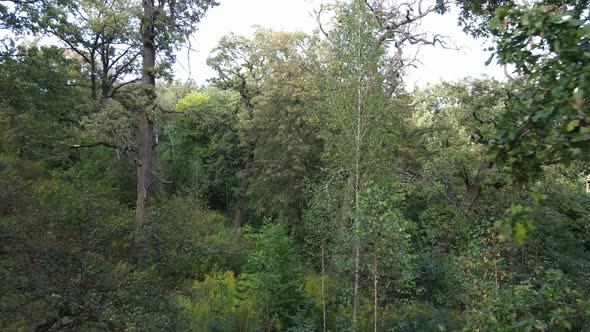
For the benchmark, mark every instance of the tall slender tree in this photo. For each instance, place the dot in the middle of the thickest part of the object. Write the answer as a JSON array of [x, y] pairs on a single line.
[[365, 71]]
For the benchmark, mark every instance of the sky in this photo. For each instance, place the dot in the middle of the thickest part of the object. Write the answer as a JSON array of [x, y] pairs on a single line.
[[241, 17]]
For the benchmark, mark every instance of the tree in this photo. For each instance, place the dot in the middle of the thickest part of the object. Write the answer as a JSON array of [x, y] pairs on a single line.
[[61, 218], [546, 121], [483, 244], [461, 117], [239, 68], [365, 77], [277, 89], [40, 110], [114, 33], [476, 15], [163, 24], [289, 149], [277, 279], [545, 41], [387, 236], [104, 34], [203, 145]]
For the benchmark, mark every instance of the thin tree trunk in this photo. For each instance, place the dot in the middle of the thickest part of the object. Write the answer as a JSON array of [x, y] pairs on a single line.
[[346, 201], [244, 182], [323, 286], [145, 161], [357, 249], [375, 303], [474, 189]]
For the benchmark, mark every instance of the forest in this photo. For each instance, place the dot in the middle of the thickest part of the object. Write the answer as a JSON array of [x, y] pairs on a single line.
[[305, 187]]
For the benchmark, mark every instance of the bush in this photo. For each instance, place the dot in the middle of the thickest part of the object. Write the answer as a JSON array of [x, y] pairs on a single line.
[[548, 301], [219, 303]]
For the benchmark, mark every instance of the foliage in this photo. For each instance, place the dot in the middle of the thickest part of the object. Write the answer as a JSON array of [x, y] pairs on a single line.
[[423, 316], [103, 36], [188, 238], [203, 148], [110, 122], [271, 74], [278, 282], [548, 301], [64, 268], [459, 206], [39, 110], [546, 119], [219, 303]]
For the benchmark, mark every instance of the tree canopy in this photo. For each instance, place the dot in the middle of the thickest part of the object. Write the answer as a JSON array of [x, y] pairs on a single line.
[[303, 188]]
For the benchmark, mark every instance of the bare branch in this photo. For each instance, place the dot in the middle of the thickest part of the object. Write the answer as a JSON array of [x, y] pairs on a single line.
[[171, 111], [106, 144], [118, 87], [318, 15], [510, 78]]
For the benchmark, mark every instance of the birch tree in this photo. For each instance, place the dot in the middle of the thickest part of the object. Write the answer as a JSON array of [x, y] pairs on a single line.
[[366, 66]]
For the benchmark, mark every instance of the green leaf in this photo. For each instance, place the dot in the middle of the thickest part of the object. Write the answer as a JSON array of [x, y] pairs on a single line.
[[573, 125], [581, 136], [557, 45], [489, 60], [494, 24]]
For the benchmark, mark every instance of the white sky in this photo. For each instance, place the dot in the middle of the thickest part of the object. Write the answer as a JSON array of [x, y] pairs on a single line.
[[240, 17]]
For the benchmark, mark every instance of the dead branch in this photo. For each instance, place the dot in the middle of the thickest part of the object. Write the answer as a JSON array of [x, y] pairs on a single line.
[[105, 144]]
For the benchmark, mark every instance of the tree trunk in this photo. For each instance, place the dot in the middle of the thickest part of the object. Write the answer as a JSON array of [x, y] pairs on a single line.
[[93, 93], [105, 84], [145, 161], [474, 189], [244, 182], [375, 288], [323, 286], [357, 221], [346, 201]]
